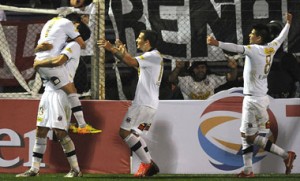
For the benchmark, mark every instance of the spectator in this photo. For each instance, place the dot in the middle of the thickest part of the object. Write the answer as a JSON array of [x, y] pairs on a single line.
[[200, 83], [285, 71]]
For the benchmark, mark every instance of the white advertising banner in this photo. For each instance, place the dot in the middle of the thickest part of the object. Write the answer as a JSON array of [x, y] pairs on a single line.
[[195, 137]]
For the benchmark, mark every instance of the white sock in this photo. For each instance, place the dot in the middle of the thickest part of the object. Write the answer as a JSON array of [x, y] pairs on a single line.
[[77, 109], [145, 147], [267, 145], [134, 143], [247, 156], [39, 149], [69, 149]]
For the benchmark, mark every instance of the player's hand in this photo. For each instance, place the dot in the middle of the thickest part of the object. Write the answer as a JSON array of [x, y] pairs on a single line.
[[36, 65], [289, 18], [118, 43], [43, 47], [212, 41], [105, 44]]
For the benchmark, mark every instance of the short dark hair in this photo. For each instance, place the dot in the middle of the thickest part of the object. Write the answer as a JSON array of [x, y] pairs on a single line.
[[151, 36], [74, 17], [196, 63], [262, 31], [84, 31]]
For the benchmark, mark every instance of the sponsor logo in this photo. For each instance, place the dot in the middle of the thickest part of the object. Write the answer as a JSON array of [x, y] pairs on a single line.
[[128, 119], [225, 152]]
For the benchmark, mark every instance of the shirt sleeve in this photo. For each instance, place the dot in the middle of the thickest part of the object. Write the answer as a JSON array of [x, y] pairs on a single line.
[[148, 59], [231, 47], [70, 49], [276, 43], [70, 30]]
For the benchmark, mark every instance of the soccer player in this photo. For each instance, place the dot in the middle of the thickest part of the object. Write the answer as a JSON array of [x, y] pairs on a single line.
[[259, 57], [141, 113], [53, 113], [55, 33]]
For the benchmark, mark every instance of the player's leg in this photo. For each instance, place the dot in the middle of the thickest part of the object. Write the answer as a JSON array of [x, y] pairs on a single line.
[[134, 142], [129, 131], [39, 149], [60, 79], [248, 117], [69, 150], [76, 107], [61, 108], [266, 144], [247, 153]]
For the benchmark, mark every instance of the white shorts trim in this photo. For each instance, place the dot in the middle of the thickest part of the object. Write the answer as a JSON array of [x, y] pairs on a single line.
[[254, 114], [137, 115], [54, 110]]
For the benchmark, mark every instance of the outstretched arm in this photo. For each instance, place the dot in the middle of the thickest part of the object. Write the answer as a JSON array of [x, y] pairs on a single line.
[[231, 47], [120, 52], [284, 32], [50, 62]]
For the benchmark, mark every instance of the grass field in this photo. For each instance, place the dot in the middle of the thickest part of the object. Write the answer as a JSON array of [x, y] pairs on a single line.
[[164, 177]]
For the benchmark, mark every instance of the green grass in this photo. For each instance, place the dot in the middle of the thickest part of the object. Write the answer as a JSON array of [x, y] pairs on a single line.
[[164, 177]]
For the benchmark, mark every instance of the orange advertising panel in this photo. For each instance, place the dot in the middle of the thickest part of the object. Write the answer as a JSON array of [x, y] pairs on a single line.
[[97, 153]]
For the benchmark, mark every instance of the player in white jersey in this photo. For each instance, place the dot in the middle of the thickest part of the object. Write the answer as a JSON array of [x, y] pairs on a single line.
[[62, 73], [141, 113], [259, 57], [53, 113]]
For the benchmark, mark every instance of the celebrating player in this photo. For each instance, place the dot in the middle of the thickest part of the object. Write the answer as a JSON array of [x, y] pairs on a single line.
[[55, 33], [53, 113], [259, 58], [140, 114]]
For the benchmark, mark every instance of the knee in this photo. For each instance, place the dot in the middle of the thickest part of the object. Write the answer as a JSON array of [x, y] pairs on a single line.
[[41, 132], [60, 134], [250, 139], [123, 133]]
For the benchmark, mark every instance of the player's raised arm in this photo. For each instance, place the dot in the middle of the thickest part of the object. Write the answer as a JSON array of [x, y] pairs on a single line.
[[120, 52], [289, 18], [231, 47], [212, 41]]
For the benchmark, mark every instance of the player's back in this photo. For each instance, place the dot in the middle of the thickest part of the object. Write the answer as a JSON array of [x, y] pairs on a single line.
[[56, 31]]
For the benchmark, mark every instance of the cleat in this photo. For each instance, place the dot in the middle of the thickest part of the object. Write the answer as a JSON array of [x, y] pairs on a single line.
[[88, 129], [73, 128], [28, 173], [289, 162], [244, 175], [73, 173], [147, 170]]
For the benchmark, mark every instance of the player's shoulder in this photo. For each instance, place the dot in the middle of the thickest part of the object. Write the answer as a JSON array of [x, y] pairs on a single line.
[[72, 47], [73, 44]]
